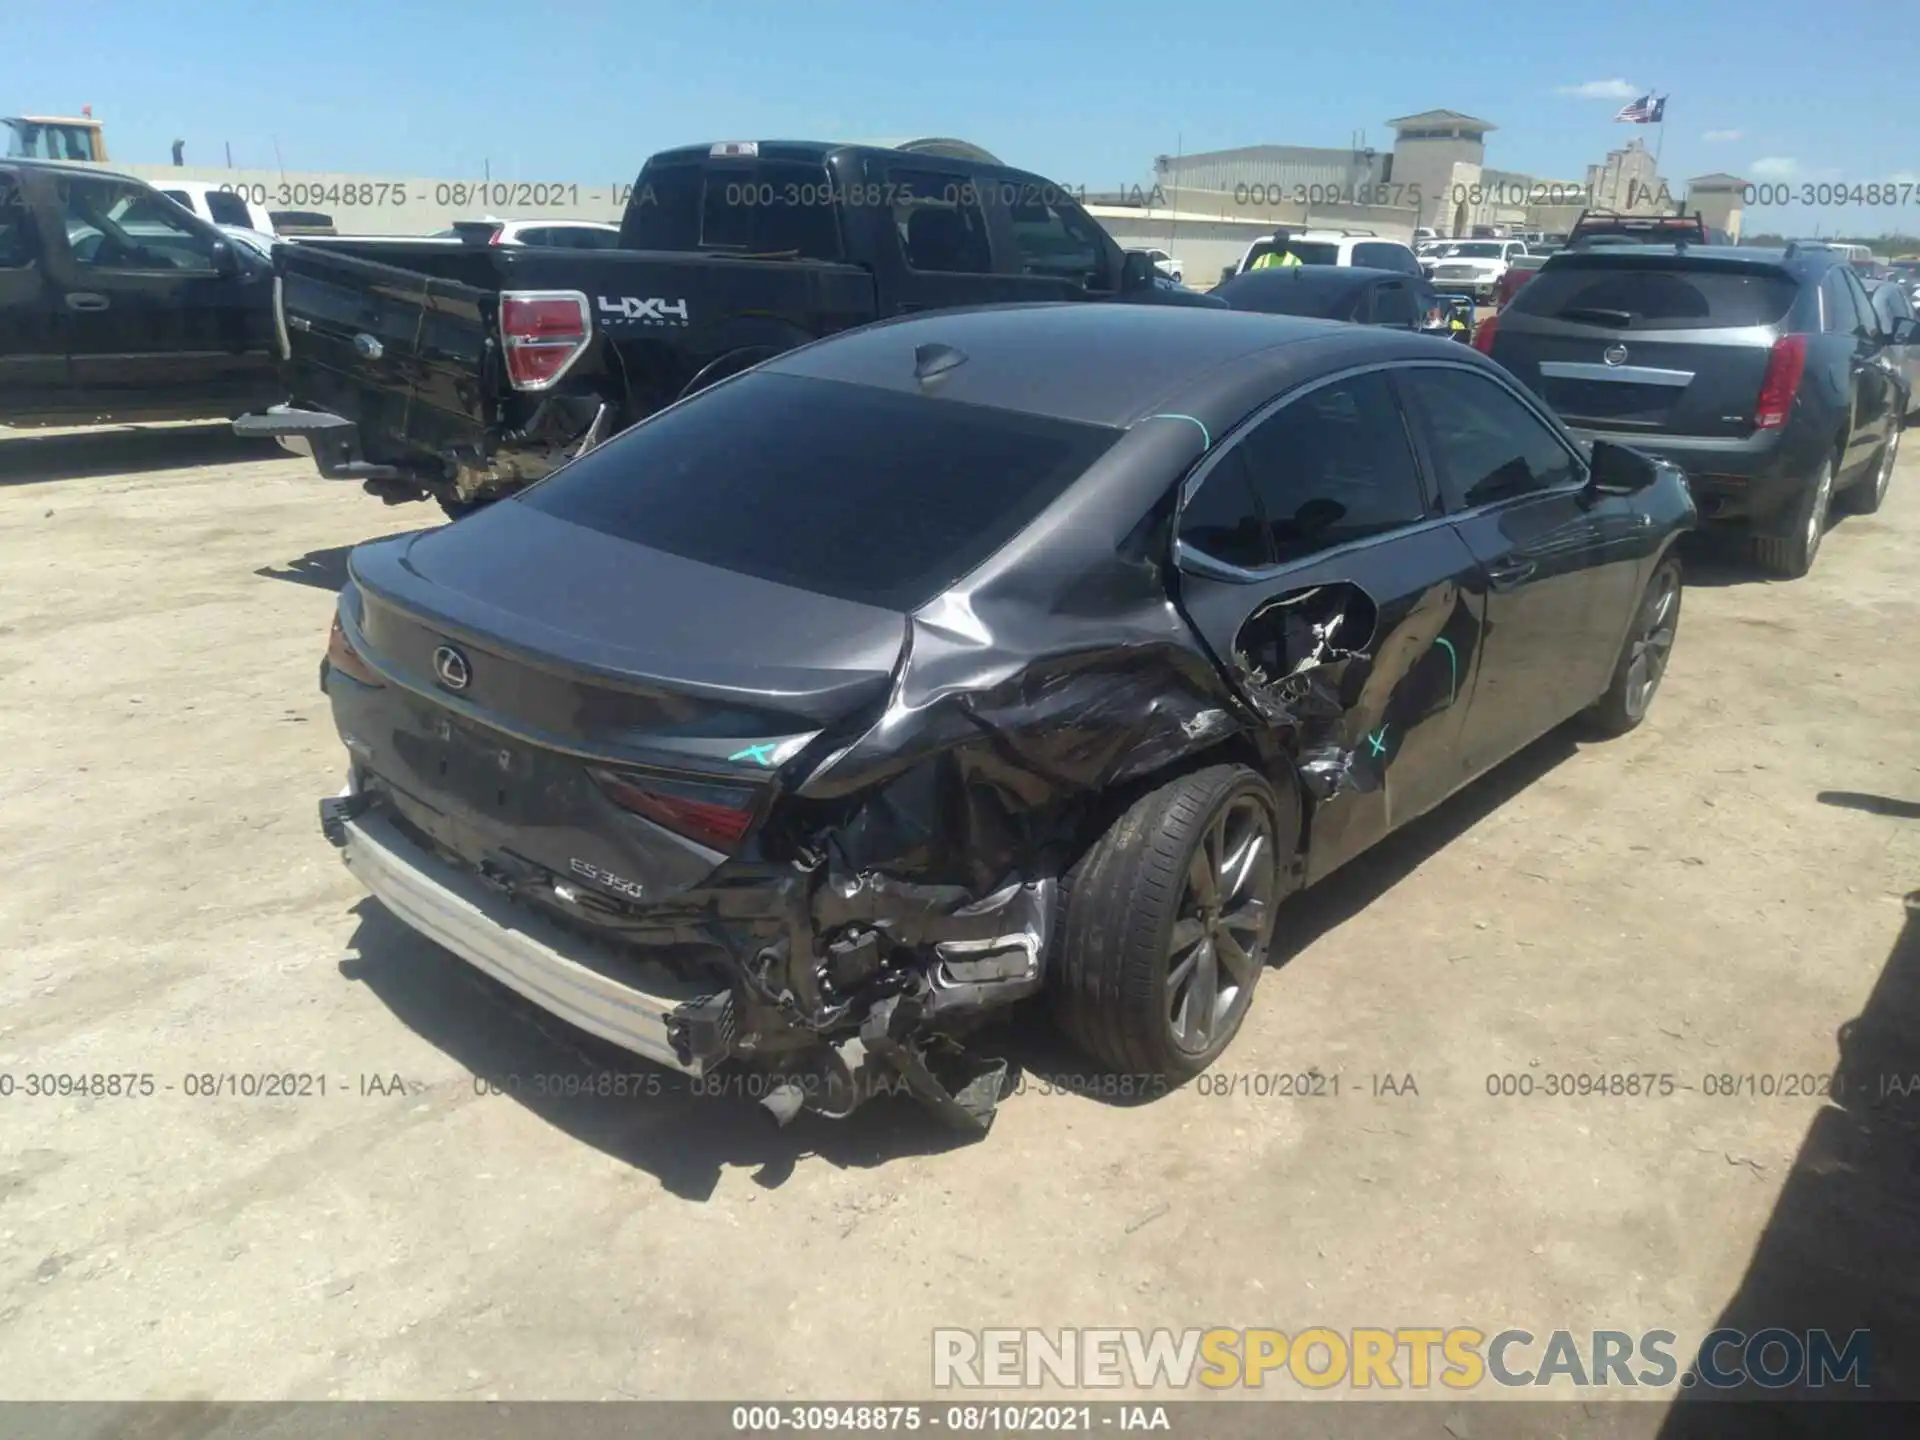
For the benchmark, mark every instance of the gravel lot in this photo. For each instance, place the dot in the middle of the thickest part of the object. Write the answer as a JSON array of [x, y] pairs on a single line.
[[1718, 893]]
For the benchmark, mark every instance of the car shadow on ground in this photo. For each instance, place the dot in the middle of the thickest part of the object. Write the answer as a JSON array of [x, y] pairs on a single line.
[[661, 1124], [27, 457], [322, 569], [1713, 561], [1872, 804], [1841, 1251]]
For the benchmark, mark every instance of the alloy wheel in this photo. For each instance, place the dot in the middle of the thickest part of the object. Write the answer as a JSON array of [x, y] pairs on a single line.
[[1654, 645], [1885, 475], [1817, 515], [1225, 918]]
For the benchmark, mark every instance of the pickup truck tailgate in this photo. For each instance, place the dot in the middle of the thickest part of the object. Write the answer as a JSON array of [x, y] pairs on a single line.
[[407, 353]]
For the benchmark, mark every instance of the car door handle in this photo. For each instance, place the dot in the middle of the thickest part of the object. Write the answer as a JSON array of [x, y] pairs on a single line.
[[1510, 573], [86, 300]]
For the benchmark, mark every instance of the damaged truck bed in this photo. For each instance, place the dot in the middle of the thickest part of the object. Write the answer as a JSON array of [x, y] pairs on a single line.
[[818, 719]]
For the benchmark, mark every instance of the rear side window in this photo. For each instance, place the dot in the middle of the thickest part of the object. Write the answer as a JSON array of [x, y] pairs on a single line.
[[1332, 467], [1382, 256], [16, 226], [762, 207], [228, 209], [1838, 312], [938, 216], [1642, 297], [846, 490]]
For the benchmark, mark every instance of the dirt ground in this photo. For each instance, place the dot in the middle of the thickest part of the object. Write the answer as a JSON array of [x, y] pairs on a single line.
[[1718, 893]]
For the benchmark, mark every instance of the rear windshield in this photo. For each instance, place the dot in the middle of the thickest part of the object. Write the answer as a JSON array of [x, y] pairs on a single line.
[[754, 207], [1284, 292], [1308, 252], [1655, 298], [844, 490]]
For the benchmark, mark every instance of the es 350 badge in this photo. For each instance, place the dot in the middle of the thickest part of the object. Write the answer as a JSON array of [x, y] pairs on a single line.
[[652, 310]]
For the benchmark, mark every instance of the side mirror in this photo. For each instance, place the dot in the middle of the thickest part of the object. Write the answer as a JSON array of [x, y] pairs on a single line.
[[224, 260], [1136, 273], [1619, 469], [1905, 332]]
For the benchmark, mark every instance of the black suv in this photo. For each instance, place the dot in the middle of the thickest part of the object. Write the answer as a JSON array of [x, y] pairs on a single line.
[[1763, 373]]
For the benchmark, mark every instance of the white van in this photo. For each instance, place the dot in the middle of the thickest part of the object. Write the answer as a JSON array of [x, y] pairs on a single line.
[[216, 206]]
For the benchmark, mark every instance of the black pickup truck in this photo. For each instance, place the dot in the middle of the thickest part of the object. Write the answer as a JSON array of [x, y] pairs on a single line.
[[117, 304], [462, 372]]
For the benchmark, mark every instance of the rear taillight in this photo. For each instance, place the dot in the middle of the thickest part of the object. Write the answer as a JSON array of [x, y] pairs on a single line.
[[343, 657], [1483, 335], [718, 816], [543, 332], [1785, 365]]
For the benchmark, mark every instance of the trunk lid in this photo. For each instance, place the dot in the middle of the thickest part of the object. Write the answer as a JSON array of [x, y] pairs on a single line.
[[1660, 343], [396, 337], [625, 713]]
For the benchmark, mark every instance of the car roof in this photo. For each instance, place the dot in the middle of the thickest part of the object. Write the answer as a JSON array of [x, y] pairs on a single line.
[[71, 167], [1800, 261], [1321, 277], [1100, 364]]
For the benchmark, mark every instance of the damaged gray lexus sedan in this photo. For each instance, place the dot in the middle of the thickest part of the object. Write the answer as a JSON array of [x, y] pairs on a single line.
[[974, 656]]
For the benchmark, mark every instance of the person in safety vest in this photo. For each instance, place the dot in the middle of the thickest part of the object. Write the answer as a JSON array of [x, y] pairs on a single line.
[[1273, 259]]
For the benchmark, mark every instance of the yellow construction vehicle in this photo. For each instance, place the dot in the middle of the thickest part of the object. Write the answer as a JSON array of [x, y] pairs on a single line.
[[55, 137]]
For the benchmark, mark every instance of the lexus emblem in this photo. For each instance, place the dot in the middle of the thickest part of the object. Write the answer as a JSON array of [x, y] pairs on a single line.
[[450, 668], [368, 347], [1614, 355]]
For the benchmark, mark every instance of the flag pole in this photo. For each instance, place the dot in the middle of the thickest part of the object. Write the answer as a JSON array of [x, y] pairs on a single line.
[[1660, 140]]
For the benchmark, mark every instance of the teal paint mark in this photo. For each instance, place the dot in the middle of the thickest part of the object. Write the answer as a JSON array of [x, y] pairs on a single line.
[[1453, 678], [1378, 741], [761, 754], [1206, 438]]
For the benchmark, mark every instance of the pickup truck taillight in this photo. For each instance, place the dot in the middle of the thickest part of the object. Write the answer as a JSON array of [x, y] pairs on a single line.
[[1785, 365], [542, 333]]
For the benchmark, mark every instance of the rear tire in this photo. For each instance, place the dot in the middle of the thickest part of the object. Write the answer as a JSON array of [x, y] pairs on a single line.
[[1866, 497], [1166, 922], [1644, 656], [1793, 556]]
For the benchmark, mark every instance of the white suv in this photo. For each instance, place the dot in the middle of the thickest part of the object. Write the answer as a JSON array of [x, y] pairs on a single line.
[[1473, 267], [1337, 247], [1167, 265]]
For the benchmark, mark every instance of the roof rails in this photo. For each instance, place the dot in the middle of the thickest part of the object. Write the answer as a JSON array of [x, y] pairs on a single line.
[[1359, 232]]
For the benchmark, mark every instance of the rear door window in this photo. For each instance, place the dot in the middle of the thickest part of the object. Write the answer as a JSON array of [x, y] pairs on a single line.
[[1333, 467], [1643, 297], [1488, 445], [941, 221], [1838, 316], [846, 490], [1384, 256], [227, 208], [16, 226], [1393, 304], [759, 207]]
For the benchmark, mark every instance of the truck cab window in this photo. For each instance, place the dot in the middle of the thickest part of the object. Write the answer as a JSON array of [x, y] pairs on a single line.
[[111, 225], [762, 207], [942, 227], [1054, 239]]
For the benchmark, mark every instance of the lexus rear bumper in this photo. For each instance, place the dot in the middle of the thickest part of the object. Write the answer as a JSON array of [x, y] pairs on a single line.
[[637, 1005]]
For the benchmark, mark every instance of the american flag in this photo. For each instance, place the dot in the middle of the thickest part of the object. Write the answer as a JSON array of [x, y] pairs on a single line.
[[1644, 111]]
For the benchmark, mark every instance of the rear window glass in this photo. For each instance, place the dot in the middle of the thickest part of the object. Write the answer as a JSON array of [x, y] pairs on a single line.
[[1650, 298], [762, 207], [846, 490], [228, 209], [1286, 292]]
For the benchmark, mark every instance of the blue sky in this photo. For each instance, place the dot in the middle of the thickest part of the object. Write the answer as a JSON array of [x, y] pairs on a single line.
[[1086, 93]]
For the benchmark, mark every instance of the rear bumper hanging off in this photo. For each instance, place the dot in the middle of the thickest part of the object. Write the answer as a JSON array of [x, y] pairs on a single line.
[[332, 440]]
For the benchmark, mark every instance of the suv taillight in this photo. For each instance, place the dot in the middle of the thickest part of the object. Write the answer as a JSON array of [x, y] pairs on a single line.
[[1785, 366], [1483, 334], [542, 333]]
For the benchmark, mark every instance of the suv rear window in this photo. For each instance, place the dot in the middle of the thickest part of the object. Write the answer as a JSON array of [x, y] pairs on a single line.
[[761, 207], [1671, 296], [846, 490]]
